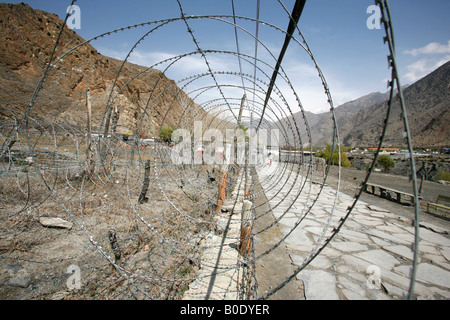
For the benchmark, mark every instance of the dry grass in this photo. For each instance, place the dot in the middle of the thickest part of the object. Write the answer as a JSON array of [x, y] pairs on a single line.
[[158, 256]]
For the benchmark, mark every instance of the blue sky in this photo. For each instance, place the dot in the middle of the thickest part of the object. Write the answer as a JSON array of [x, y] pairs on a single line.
[[351, 56]]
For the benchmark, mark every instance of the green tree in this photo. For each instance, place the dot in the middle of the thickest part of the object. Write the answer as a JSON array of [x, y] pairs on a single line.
[[443, 175], [386, 162], [166, 133], [326, 154]]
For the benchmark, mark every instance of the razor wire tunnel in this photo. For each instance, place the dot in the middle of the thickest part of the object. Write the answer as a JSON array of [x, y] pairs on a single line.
[[166, 188]]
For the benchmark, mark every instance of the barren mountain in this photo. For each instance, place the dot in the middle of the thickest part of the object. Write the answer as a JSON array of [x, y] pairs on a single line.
[[29, 37], [428, 111], [360, 122], [321, 125]]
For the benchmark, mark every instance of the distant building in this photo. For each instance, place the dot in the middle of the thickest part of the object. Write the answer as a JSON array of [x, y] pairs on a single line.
[[385, 150]]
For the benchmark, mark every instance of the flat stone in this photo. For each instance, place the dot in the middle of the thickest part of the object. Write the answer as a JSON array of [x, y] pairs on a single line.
[[351, 295], [443, 293], [403, 226], [446, 253], [408, 237], [19, 282], [394, 290], [348, 246], [352, 290], [319, 285], [437, 260], [431, 249], [297, 237], [221, 224], [319, 262], [379, 258], [401, 251], [20, 276], [55, 223], [353, 225], [377, 209], [309, 222], [386, 236], [318, 231], [288, 221], [354, 236], [434, 275], [380, 242], [391, 229], [434, 228], [362, 266], [434, 238], [232, 207]]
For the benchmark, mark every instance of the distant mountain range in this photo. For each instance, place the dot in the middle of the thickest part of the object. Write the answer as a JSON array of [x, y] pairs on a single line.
[[360, 121]]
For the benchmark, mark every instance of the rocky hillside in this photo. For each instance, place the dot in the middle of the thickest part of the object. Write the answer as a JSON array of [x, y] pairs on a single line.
[[28, 38], [321, 125], [360, 121], [428, 111]]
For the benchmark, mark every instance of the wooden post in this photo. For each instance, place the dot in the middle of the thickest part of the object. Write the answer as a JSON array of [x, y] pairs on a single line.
[[114, 245], [221, 192], [89, 114], [115, 119], [241, 109], [143, 196], [247, 185], [89, 162], [222, 188], [246, 241]]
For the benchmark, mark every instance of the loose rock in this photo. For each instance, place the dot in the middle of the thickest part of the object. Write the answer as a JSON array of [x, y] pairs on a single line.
[[55, 223]]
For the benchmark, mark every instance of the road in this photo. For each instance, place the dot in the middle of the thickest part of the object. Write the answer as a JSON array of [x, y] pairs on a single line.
[[351, 179]]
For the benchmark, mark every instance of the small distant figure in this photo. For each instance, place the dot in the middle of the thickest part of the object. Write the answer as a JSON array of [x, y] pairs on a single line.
[[270, 159]]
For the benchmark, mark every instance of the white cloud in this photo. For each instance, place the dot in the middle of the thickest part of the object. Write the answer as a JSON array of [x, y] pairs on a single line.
[[431, 48], [424, 66], [433, 55], [302, 75]]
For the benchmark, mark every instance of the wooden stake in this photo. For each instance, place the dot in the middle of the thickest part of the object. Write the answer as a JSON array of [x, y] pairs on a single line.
[[114, 244], [115, 119], [241, 109], [89, 115], [221, 189], [246, 241], [143, 196], [89, 163]]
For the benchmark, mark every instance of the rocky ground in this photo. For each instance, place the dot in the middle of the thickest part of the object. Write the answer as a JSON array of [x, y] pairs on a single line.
[[153, 254]]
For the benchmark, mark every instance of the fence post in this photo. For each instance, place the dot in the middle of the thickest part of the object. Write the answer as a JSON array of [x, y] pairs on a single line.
[[114, 244], [222, 187], [143, 196], [89, 163], [246, 241], [115, 120]]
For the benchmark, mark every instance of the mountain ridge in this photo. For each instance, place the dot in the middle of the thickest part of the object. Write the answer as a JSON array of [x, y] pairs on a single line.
[[29, 38], [360, 121]]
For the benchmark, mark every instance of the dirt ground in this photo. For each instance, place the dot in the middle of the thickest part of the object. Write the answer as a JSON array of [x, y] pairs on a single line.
[[155, 251], [273, 269]]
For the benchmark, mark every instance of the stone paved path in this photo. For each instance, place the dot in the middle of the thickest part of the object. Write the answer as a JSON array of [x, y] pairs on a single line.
[[370, 258], [220, 274]]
